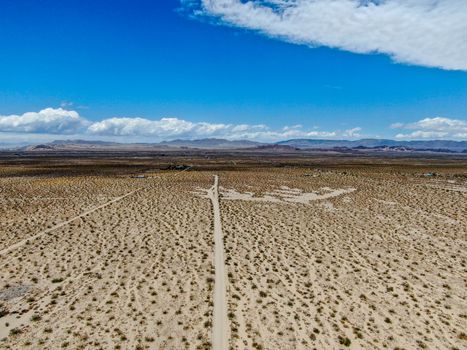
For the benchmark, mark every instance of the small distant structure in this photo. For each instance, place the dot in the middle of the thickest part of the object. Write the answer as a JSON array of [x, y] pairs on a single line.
[[138, 176], [430, 174], [178, 167]]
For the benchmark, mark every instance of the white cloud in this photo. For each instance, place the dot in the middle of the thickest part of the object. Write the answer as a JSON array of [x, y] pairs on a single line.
[[53, 122], [429, 33], [141, 127], [66, 104], [431, 128], [169, 128], [63, 122], [49, 120], [397, 125], [354, 132], [416, 135]]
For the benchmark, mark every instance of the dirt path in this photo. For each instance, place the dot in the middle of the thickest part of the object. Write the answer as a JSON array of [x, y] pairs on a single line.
[[220, 329], [44, 232]]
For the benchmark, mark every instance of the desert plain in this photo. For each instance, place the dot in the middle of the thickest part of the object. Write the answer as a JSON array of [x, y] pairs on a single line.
[[229, 252]]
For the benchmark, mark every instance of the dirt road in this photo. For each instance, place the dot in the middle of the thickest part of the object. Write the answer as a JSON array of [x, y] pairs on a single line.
[[44, 232], [220, 329]]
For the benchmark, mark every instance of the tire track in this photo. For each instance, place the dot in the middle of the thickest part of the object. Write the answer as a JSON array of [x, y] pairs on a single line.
[[64, 223], [220, 329]]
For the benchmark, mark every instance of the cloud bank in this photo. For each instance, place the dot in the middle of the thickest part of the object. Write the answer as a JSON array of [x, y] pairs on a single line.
[[63, 122], [59, 121], [430, 33], [49, 120], [433, 128]]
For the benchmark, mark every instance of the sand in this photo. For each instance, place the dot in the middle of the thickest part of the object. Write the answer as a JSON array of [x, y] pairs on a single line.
[[136, 273], [271, 258], [385, 268], [286, 194]]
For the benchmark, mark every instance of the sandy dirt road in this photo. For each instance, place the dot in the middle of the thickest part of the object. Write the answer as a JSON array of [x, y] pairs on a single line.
[[220, 329], [44, 232]]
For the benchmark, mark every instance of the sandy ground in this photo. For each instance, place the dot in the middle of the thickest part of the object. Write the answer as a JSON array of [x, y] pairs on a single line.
[[359, 258], [61, 224], [136, 273], [382, 266]]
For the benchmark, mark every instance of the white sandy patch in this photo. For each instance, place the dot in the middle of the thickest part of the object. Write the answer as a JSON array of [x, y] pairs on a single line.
[[285, 194], [328, 206]]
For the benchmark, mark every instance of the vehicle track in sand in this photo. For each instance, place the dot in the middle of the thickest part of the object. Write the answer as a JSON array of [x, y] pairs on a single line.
[[64, 223], [220, 327]]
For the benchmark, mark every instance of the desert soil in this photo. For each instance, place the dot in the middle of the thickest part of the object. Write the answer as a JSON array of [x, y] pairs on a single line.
[[272, 258], [136, 273]]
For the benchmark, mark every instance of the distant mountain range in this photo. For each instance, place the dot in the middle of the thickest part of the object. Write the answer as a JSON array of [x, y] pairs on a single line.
[[12, 145], [281, 146], [84, 142], [211, 143], [457, 146]]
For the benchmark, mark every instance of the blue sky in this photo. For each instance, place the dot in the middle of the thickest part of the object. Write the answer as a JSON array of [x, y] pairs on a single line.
[[151, 70]]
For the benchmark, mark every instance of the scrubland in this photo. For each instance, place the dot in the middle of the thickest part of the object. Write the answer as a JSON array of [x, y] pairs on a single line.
[[135, 274], [317, 257], [381, 267]]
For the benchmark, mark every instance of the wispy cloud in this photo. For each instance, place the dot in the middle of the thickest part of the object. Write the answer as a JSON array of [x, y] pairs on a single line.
[[63, 122], [432, 128], [430, 33], [66, 104]]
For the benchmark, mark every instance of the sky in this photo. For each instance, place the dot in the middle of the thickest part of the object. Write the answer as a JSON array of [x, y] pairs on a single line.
[[266, 70]]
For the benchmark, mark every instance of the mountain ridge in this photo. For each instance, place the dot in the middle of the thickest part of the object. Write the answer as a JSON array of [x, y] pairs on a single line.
[[291, 144], [372, 143]]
